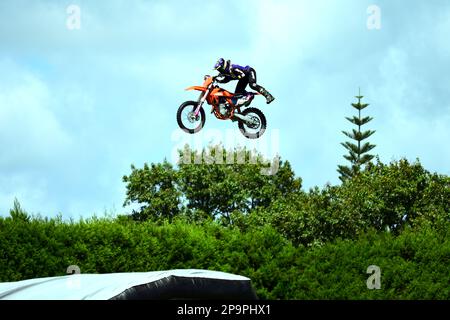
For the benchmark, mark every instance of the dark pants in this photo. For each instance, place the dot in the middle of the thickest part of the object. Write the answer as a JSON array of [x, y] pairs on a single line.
[[249, 79]]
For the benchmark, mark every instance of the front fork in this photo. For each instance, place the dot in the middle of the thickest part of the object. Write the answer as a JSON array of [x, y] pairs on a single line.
[[202, 100]]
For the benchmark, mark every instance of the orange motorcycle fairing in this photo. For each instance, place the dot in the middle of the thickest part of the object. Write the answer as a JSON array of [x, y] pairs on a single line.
[[198, 88], [217, 93]]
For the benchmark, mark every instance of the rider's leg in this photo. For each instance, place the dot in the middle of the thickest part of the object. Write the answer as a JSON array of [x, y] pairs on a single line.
[[258, 88], [241, 85], [240, 89]]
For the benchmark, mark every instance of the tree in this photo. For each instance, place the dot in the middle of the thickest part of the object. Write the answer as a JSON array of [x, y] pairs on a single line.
[[17, 213], [208, 189], [391, 196], [357, 152], [156, 188]]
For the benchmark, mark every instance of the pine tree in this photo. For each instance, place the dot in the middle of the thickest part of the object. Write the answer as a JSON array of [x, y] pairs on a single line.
[[357, 152]]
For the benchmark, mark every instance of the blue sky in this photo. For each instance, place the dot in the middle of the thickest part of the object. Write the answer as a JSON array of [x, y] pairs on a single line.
[[77, 107]]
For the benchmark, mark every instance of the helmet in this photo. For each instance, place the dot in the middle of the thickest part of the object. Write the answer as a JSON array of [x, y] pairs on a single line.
[[222, 65]]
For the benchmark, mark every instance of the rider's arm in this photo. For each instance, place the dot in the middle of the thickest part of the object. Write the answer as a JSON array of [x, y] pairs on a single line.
[[239, 73], [224, 79]]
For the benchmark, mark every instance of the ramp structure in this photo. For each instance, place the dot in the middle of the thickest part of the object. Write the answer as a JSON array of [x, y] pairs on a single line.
[[156, 285]]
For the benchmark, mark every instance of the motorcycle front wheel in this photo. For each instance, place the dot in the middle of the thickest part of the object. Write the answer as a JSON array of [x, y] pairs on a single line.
[[254, 128], [187, 120]]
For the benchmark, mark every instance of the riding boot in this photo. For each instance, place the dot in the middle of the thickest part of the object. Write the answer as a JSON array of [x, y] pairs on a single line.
[[267, 95]]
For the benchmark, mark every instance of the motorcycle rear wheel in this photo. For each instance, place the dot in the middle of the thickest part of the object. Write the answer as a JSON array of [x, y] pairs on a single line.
[[259, 124]]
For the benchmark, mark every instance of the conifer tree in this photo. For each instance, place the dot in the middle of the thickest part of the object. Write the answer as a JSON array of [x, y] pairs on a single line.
[[357, 150]]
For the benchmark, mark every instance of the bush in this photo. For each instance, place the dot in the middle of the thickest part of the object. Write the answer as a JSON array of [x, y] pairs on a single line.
[[382, 197], [414, 264]]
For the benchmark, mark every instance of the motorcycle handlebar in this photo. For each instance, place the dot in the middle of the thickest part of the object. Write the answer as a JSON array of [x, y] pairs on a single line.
[[214, 78]]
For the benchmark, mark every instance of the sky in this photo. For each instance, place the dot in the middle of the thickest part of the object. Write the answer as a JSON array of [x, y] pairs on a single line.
[[88, 88]]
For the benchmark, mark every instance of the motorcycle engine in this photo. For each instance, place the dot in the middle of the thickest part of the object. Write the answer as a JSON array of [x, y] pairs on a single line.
[[224, 109]]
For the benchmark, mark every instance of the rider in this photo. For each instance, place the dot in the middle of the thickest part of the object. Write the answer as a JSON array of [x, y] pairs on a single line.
[[245, 75]]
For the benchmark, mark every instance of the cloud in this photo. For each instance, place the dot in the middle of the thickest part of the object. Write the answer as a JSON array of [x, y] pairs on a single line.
[[27, 124], [78, 107], [31, 136], [413, 114]]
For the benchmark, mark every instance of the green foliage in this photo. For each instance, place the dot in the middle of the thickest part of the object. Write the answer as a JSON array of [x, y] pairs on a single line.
[[156, 188], [382, 197], [357, 152], [232, 218], [202, 188], [17, 213], [414, 265], [396, 195]]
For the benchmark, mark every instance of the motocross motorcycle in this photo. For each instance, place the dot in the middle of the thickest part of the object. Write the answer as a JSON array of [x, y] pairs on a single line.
[[225, 106]]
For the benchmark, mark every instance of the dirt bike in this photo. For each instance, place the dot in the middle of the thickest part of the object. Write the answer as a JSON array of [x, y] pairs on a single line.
[[225, 106]]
